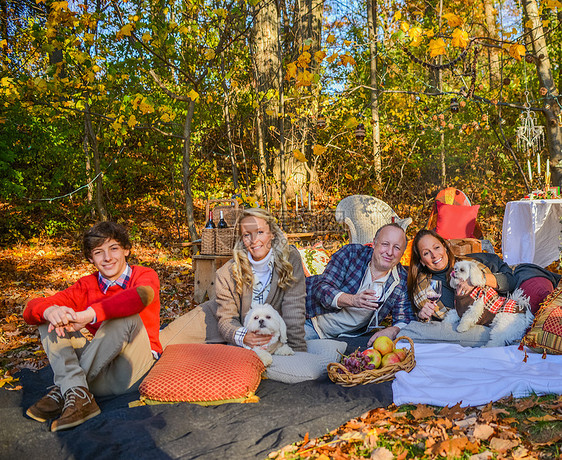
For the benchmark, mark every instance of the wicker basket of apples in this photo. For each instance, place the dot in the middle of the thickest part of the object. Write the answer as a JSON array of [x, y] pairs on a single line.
[[373, 365]]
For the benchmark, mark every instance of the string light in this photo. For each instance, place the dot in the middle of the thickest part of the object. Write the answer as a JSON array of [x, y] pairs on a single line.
[[50, 200]]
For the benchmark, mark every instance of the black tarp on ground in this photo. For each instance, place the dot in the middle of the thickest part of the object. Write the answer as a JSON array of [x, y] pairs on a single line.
[[187, 431]]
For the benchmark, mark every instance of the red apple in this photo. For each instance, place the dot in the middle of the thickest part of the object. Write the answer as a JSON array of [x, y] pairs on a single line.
[[375, 357], [383, 345], [401, 352], [390, 358]]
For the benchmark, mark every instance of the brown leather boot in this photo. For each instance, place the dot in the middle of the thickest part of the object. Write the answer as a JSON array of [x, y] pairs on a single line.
[[79, 406], [48, 407]]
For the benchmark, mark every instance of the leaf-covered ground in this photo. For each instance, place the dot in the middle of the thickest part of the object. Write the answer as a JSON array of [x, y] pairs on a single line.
[[511, 428], [526, 428], [43, 268]]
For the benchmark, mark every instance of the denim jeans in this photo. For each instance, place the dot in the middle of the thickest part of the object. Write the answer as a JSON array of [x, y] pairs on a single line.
[[309, 331]]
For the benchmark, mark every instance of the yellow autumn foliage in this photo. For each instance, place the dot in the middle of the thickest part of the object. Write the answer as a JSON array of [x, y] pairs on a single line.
[[453, 20], [291, 71], [460, 38], [319, 56], [299, 155], [436, 47], [318, 149], [415, 33]]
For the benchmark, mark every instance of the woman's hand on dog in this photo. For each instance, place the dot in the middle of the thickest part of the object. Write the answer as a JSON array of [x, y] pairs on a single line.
[[251, 339], [464, 288]]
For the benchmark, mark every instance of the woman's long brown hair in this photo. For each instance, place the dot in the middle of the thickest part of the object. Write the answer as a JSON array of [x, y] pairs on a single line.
[[416, 268]]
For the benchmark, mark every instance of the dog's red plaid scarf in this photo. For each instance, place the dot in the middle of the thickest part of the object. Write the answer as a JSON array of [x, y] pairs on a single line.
[[493, 302]]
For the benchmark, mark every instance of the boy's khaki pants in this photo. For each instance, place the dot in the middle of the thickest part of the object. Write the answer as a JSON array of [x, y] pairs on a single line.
[[112, 363]]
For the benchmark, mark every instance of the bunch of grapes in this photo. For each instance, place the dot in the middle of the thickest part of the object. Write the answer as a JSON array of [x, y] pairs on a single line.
[[356, 362]]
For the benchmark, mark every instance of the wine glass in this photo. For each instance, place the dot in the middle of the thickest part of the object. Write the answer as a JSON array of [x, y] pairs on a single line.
[[434, 290], [433, 293], [377, 289]]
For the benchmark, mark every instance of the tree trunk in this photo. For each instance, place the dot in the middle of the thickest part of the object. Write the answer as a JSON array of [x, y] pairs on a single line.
[[266, 59], [372, 23], [226, 114], [93, 141], [493, 59], [282, 176], [86, 146], [544, 71], [435, 86], [186, 171]]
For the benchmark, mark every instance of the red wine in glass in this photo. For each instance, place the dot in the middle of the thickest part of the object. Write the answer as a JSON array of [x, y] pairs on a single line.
[[434, 290]]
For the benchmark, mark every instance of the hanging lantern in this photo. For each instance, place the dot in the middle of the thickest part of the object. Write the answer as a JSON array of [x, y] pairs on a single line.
[[454, 105], [360, 132], [320, 121], [530, 136]]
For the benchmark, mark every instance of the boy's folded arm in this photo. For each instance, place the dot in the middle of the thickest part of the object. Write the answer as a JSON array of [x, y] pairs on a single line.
[[129, 302], [35, 309]]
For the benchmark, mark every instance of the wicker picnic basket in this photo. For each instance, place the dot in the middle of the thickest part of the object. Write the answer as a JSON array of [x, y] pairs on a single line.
[[340, 375], [220, 241], [224, 242], [208, 238]]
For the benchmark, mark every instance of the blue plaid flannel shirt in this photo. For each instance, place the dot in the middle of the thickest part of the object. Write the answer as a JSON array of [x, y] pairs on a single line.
[[344, 273]]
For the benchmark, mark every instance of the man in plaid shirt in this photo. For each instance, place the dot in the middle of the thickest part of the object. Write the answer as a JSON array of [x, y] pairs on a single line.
[[359, 288]]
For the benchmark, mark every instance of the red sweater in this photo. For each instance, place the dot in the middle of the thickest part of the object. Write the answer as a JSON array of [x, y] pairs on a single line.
[[116, 303]]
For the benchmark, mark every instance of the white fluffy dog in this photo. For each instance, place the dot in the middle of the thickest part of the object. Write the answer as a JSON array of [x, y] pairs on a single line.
[[508, 318], [264, 319]]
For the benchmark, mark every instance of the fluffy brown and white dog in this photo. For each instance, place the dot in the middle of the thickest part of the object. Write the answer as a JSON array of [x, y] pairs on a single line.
[[264, 319], [508, 317]]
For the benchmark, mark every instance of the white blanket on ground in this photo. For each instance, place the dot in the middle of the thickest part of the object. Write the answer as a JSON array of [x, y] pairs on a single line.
[[447, 374]]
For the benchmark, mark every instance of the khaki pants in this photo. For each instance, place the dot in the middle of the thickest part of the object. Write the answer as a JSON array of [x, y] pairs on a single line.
[[196, 326], [112, 363]]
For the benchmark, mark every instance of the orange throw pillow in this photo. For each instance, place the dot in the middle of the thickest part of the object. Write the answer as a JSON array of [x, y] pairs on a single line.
[[456, 221], [206, 374]]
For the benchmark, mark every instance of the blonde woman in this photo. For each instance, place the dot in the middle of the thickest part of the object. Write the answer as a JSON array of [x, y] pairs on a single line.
[[264, 269]]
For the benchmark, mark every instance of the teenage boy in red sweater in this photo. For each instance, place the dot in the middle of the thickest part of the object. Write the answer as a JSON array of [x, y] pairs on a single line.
[[120, 305]]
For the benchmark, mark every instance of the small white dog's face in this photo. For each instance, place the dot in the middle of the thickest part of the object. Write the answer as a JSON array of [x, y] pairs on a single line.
[[264, 319], [467, 270]]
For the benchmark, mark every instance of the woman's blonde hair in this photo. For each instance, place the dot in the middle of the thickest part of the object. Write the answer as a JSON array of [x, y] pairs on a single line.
[[241, 268], [417, 269]]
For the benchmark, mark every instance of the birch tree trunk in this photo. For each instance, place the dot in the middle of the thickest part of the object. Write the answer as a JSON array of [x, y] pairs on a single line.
[[544, 71]]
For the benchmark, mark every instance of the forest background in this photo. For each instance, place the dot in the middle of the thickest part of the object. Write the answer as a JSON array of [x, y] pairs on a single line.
[[110, 109]]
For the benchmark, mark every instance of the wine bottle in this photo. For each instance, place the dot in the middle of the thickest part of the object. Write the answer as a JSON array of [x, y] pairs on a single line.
[[210, 223], [222, 222]]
